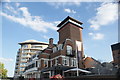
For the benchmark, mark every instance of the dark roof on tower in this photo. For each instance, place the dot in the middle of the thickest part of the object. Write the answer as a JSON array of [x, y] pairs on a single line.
[[69, 18], [115, 46]]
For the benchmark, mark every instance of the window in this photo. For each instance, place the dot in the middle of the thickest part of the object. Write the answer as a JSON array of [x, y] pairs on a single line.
[[25, 46], [21, 72], [56, 61], [39, 63], [54, 49], [45, 63], [37, 47], [22, 64], [69, 50], [26, 51], [51, 63], [65, 61], [23, 59], [36, 63], [23, 55], [21, 68], [59, 47], [33, 51], [73, 62]]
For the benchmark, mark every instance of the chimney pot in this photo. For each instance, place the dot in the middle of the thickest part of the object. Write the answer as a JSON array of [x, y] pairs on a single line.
[[51, 42]]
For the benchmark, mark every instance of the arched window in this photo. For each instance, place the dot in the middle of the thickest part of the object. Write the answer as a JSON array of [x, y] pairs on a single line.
[[69, 50]]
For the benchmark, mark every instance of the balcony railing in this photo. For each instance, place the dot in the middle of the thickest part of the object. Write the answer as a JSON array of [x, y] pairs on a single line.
[[31, 69]]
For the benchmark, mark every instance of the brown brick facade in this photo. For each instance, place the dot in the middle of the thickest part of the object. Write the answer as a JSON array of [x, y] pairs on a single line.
[[69, 33], [64, 54]]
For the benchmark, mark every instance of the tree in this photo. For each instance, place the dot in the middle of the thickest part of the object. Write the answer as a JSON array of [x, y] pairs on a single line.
[[3, 71]]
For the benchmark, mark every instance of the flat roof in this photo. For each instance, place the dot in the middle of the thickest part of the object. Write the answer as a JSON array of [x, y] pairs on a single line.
[[66, 19], [32, 42], [71, 23], [115, 46]]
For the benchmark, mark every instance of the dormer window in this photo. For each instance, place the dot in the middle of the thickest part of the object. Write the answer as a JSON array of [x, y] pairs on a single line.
[[59, 47], [69, 50], [54, 49]]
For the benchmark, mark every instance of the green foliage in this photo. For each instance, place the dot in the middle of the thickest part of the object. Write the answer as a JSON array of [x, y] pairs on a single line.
[[3, 71]]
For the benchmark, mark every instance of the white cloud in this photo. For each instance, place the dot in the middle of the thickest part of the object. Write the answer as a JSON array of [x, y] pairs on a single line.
[[90, 33], [6, 60], [34, 22], [69, 10], [106, 14], [96, 36], [60, 3], [26, 14], [45, 37], [10, 9], [6, 0]]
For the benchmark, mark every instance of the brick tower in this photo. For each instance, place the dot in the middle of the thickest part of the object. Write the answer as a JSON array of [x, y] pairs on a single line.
[[71, 29]]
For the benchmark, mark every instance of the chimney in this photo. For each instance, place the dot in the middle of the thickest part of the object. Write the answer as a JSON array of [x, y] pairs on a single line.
[[50, 43]]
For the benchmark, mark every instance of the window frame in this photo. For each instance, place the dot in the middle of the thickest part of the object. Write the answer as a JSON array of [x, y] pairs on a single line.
[[73, 62], [69, 50], [65, 61], [46, 62]]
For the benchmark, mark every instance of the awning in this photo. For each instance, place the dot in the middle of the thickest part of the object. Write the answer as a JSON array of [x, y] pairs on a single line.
[[80, 70]]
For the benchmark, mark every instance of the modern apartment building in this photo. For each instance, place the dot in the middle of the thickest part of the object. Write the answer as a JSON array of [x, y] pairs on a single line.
[[62, 57], [32, 67], [28, 48], [116, 54]]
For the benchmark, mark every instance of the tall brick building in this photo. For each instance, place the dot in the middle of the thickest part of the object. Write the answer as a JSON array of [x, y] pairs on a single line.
[[57, 58], [116, 53]]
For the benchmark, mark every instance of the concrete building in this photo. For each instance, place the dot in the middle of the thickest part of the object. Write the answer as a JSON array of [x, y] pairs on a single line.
[[32, 66], [36, 61], [116, 54], [28, 48], [65, 55]]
